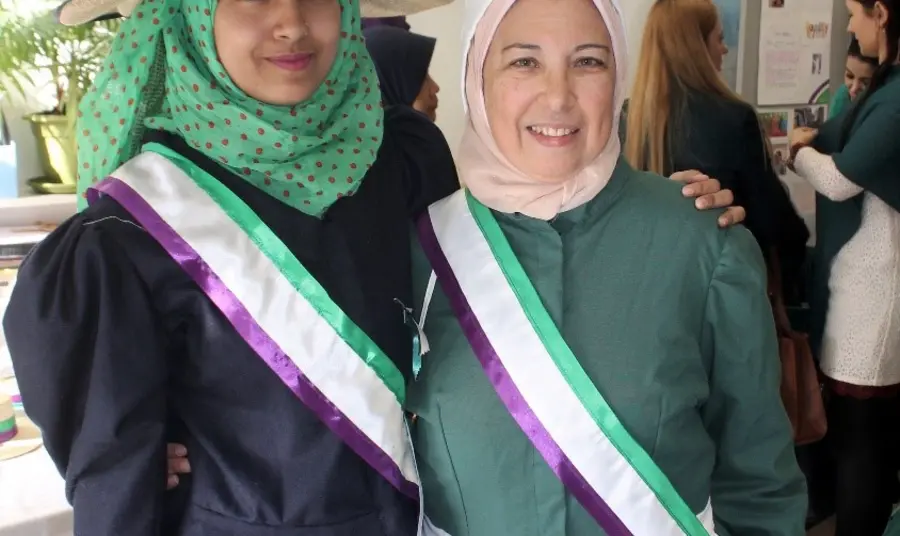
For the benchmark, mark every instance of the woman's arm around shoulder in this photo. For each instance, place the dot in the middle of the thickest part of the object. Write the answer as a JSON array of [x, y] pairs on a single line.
[[757, 486], [90, 362], [871, 156]]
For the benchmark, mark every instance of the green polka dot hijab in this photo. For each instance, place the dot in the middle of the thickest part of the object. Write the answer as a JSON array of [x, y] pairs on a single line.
[[163, 73]]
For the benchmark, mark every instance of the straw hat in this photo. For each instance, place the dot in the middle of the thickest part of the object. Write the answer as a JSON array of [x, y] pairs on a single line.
[[75, 12], [28, 439]]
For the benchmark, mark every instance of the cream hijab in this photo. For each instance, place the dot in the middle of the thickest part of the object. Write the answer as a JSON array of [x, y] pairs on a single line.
[[482, 167]]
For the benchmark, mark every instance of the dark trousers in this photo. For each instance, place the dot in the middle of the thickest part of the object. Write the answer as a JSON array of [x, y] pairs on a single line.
[[860, 463]]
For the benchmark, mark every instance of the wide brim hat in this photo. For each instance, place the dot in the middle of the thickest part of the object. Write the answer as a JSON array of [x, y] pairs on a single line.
[[76, 12], [27, 439]]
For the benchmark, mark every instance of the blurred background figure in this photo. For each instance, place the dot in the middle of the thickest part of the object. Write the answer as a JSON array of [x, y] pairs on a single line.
[[684, 116], [374, 22], [402, 59], [858, 72]]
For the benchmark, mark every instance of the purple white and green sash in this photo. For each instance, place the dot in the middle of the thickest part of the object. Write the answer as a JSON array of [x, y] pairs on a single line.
[[540, 381], [274, 303]]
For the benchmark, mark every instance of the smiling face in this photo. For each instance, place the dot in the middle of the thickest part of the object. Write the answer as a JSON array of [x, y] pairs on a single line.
[[857, 76], [866, 25], [278, 51], [549, 83]]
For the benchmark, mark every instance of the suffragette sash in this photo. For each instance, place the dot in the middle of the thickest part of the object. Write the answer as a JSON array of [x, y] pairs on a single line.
[[540, 381], [274, 303]]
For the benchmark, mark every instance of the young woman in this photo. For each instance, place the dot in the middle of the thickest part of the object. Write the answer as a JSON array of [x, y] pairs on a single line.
[[853, 163], [238, 282], [858, 71], [402, 59], [254, 223], [684, 116]]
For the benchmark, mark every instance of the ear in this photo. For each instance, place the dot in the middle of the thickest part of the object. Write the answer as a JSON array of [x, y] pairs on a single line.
[[880, 12]]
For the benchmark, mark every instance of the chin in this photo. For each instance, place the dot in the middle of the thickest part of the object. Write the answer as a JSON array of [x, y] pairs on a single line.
[[287, 96], [550, 171]]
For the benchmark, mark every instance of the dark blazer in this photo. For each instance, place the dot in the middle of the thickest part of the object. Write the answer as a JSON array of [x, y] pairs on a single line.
[[722, 139]]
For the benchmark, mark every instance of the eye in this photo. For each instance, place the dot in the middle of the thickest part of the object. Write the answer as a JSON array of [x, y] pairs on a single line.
[[590, 62], [524, 63]]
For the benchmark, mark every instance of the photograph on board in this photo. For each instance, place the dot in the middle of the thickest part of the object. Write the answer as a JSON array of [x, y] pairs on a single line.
[[810, 116], [776, 124]]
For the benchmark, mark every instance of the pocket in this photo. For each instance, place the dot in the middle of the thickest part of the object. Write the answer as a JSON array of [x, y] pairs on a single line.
[[201, 522]]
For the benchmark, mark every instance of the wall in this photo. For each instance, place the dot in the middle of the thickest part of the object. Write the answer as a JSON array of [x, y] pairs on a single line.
[[27, 164], [445, 24], [446, 67]]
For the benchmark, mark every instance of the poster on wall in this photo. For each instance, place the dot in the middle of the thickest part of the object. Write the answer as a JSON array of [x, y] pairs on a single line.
[[730, 13], [777, 124], [794, 52]]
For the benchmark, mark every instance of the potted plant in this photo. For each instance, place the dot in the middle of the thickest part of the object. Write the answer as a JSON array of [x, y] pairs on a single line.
[[37, 51]]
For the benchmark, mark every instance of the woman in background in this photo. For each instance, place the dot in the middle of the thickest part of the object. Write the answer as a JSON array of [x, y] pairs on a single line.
[[402, 59], [858, 71], [853, 162], [686, 117]]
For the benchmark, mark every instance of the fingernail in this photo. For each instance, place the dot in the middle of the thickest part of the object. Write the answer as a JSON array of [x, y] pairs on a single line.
[[723, 221], [181, 451], [687, 190], [702, 203]]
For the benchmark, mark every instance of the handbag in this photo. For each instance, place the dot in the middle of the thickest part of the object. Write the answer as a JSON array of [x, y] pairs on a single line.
[[801, 391]]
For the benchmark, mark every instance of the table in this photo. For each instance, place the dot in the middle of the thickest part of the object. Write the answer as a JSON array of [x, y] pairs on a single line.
[[32, 497]]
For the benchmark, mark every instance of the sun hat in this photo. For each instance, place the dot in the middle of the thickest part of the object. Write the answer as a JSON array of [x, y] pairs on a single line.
[[77, 12]]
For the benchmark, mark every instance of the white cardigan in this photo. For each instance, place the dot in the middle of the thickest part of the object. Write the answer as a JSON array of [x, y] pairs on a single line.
[[861, 344]]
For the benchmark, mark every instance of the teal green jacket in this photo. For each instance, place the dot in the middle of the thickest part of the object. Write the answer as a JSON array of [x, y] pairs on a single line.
[[839, 102], [669, 317]]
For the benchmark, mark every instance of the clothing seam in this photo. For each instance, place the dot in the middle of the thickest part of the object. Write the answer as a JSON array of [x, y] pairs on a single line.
[[462, 501], [712, 279]]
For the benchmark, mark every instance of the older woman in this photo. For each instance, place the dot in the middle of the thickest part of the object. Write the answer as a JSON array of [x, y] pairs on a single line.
[[602, 357]]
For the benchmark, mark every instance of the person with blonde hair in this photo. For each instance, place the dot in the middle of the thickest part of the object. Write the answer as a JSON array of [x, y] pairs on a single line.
[[683, 115]]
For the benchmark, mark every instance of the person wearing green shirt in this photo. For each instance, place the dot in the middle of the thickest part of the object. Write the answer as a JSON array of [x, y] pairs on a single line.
[[893, 528], [602, 358], [857, 76], [852, 162]]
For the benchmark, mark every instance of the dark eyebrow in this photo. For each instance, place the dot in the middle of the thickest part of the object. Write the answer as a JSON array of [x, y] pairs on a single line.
[[579, 48]]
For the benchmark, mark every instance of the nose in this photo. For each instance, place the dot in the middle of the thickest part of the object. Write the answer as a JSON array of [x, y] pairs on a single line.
[[854, 89], [559, 91], [291, 23]]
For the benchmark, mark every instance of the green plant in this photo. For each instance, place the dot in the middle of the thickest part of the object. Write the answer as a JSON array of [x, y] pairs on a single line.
[[35, 49]]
